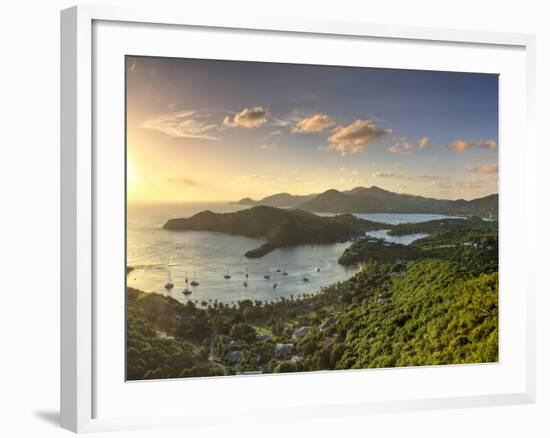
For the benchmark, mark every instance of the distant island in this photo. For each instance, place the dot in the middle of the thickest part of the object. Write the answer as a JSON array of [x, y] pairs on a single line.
[[278, 200], [376, 200], [279, 227]]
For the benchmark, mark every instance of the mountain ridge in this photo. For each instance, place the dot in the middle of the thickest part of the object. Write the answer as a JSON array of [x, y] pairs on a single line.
[[377, 200]]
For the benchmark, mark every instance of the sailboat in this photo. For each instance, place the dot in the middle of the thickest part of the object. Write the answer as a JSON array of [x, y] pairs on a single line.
[[186, 291], [227, 276], [169, 285], [284, 270], [194, 282]]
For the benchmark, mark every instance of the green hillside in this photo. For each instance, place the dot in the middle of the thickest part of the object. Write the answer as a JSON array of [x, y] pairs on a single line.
[[278, 227], [437, 304]]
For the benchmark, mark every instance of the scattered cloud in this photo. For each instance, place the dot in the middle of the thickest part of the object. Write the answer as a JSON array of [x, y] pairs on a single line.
[[387, 175], [401, 146], [402, 176], [315, 123], [280, 122], [267, 146], [183, 181], [463, 145], [471, 183], [182, 124], [355, 172], [289, 120], [354, 138], [424, 143], [248, 118], [276, 132], [484, 168], [397, 165]]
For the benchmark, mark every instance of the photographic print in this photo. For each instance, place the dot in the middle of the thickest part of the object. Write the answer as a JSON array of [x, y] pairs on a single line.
[[294, 218]]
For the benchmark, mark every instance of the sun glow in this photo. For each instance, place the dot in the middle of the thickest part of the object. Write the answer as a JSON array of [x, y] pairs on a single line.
[[132, 180], [130, 175]]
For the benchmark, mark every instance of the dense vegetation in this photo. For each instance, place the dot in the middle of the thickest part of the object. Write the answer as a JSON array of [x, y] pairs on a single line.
[[446, 225], [438, 304], [471, 243], [277, 226]]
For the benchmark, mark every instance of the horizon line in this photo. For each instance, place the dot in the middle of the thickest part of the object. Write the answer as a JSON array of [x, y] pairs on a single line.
[[234, 201]]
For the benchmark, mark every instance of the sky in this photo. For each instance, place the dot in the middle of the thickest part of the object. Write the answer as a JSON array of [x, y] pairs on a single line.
[[211, 130]]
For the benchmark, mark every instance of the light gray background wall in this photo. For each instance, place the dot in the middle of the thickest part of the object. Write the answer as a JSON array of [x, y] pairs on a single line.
[[29, 219]]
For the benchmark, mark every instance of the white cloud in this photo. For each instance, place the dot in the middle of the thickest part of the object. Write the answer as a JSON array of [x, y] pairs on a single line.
[[248, 118], [424, 143], [182, 124], [281, 122], [463, 145], [355, 137], [314, 123], [401, 146]]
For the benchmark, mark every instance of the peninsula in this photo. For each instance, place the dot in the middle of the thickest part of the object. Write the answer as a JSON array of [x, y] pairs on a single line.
[[278, 227]]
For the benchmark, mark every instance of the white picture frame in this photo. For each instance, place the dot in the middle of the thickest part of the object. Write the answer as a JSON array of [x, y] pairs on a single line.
[[79, 217]]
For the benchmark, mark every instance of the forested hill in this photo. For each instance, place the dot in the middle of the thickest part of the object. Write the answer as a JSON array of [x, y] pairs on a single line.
[[431, 312], [432, 302], [279, 227], [376, 200]]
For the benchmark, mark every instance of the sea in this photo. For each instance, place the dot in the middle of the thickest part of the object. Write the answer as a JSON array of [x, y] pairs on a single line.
[[161, 256]]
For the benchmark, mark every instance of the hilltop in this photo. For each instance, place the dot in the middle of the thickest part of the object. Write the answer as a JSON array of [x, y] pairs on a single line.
[[278, 227], [377, 200]]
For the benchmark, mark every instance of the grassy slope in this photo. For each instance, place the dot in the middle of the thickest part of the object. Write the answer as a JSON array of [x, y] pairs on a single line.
[[434, 314], [440, 307]]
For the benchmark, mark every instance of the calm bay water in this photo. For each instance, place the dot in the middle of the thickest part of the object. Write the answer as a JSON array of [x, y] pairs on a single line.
[[159, 256]]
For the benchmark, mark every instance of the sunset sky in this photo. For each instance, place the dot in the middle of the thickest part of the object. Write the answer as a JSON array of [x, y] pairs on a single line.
[[202, 130]]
